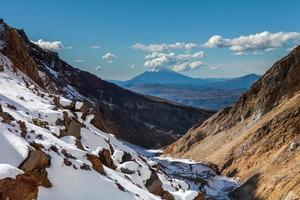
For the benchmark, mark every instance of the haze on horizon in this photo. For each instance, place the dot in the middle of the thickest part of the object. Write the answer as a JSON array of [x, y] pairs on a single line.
[[121, 39]]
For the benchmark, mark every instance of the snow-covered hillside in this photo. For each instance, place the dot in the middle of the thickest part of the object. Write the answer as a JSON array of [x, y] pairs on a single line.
[[48, 144]]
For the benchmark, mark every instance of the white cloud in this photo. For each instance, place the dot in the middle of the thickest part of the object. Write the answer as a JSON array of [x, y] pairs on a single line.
[[109, 57], [53, 46], [79, 60], [157, 59], [163, 55], [180, 62], [196, 64], [164, 47], [95, 47], [186, 66], [264, 41], [69, 47], [182, 45]]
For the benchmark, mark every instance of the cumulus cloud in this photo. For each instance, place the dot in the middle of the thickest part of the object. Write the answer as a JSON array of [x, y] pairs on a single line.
[[180, 62], [53, 46], [186, 66], [79, 60], [177, 56], [109, 57], [264, 41], [95, 47], [163, 46]]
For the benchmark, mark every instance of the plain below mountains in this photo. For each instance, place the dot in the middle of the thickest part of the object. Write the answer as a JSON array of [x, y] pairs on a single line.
[[207, 93]]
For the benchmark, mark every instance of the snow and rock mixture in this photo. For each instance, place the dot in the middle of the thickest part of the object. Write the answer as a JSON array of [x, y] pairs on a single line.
[[51, 150], [195, 176]]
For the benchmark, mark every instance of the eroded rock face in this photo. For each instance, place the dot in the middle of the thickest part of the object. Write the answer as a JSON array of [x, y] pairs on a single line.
[[36, 165], [24, 187], [16, 50]]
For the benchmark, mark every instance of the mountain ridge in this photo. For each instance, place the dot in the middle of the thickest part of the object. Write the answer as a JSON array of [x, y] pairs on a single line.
[[210, 93], [108, 100], [257, 138]]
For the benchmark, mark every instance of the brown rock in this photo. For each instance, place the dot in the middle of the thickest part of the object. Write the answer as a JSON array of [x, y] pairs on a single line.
[[7, 118], [153, 184], [105, 158], [66, 154], [97, 165], [167, 195], [40, 123], [200, 196], [16, 50], [67, 162], [73, 126], [36, 164], [24, 187], [23, 128], [74, 129]]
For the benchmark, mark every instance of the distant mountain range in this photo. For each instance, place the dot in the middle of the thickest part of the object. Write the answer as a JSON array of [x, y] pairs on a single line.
[[166, 76], [208, 93]]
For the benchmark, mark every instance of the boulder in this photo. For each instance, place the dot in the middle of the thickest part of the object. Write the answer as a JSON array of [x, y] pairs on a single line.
[[97, 164], [35, 165], [24, 187], [105, 158], [153, 184]]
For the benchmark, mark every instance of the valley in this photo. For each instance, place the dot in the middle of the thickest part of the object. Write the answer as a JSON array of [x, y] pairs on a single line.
[[66, 133], [203, 93]]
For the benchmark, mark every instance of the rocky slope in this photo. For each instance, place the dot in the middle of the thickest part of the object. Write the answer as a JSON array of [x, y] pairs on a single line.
[[258, 138], [146, 121], [51, 149]]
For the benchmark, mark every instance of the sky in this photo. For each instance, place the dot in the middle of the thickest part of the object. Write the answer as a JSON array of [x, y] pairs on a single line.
[[119, 39]]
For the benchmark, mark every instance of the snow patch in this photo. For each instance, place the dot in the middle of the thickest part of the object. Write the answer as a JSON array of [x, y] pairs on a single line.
[[8, 171]]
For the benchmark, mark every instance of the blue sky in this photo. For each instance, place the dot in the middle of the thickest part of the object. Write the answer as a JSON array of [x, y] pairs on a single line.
[[116, 25]]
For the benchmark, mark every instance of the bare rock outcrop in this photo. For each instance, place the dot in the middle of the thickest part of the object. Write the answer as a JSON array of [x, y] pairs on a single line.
[[36, 165], [24, 187]]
